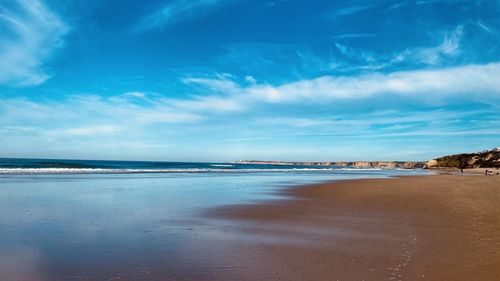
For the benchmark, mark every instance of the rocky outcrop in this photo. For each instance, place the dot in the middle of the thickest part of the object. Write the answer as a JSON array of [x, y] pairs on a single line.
[[484, 159]]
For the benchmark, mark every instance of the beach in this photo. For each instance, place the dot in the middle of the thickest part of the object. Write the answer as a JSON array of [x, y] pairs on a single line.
[[350, 225], [441, 227], [224, 140], [64, 220]]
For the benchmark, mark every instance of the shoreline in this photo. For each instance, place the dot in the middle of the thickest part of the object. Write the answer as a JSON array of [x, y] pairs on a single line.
[[434, 227], [469, 171]]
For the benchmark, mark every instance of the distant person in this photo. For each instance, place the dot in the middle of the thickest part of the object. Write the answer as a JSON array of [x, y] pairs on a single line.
[[462, 171]]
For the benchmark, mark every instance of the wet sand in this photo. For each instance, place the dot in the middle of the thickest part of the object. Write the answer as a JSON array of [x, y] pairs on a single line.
[[442, 227]]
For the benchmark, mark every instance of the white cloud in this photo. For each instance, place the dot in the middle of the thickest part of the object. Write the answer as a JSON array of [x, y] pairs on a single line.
[[470, 82], [92, 130], [87, 115], [208, 104], [250, 79], [221, 98], [89, 130], [164, 115], [143, 117], [477, 82], [134, 94], [432, 86], [30, 33], [177, 11], [221, 84]]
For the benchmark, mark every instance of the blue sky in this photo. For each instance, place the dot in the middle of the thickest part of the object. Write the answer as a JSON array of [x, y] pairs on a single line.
[[221, 80]]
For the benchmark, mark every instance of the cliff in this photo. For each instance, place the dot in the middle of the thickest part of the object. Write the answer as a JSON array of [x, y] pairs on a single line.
[[483, 159], [382, 164], [357, 164]]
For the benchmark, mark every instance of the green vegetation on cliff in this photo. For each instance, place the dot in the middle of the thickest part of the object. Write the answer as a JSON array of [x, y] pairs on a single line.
[[484, 159]]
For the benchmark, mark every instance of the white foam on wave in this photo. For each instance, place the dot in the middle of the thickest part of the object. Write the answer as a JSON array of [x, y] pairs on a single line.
[[56, 170], [7, 171]]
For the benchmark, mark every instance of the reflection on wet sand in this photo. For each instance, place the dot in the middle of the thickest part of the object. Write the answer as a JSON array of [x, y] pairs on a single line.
[[126, 227], [21, 263]]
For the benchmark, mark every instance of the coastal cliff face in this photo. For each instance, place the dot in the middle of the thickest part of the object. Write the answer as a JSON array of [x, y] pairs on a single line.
[[484, 159], [384, 164], [357, 164]]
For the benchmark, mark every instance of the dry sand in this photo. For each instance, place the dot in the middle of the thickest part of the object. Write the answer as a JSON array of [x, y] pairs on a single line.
[[442, 227]]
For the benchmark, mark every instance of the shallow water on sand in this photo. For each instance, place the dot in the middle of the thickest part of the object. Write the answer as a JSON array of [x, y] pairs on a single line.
[[127, 226]]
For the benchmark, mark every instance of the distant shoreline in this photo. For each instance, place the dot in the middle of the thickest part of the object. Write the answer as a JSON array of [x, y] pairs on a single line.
[[356, 164], [483, 159]]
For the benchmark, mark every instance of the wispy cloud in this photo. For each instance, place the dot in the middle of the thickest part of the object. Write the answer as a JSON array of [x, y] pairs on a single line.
[[353, 35], [177, 11], [449, 47], [222, 110], [477, 83], [396, 5], [89, 131], [351, 10], [86, 113], [424, 2], [484, 26], [446, 50], [30, 33], [378, 122]]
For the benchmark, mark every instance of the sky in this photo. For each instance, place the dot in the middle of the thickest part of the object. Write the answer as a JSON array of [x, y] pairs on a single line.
[[222, 80]]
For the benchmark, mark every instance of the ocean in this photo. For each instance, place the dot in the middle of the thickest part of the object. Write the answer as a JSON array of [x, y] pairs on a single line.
[[127, 220], [61, 166]]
